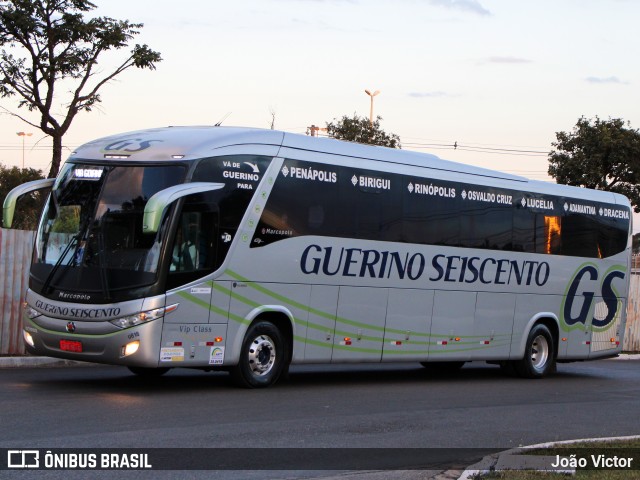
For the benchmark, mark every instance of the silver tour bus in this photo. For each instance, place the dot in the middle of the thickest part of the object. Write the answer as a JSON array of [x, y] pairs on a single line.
[[249, 250]]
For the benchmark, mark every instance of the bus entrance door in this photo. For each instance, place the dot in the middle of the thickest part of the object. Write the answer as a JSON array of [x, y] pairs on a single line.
[[194, 334]]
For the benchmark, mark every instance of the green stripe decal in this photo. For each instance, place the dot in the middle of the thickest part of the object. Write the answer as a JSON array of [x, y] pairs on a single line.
[[213, 308], [330, 316], [467, 343]]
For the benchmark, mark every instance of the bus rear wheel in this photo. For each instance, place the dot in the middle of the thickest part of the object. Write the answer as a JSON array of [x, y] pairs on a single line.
[[539, 354], [263, 357]]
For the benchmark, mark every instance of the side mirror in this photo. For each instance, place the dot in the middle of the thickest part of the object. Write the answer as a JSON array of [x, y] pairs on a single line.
[[9, 206], [157, 204]]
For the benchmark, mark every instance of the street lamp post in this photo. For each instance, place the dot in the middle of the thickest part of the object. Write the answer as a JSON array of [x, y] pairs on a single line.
[[23, 134], [371, 111]]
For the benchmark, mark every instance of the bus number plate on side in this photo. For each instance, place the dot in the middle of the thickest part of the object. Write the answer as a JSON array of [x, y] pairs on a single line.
[[71, 346]]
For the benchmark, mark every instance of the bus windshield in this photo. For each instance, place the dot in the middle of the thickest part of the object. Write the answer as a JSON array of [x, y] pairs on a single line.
[[90, 243]]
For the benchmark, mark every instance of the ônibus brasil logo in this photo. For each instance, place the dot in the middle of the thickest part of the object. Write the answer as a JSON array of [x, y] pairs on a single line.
[[588, 288]]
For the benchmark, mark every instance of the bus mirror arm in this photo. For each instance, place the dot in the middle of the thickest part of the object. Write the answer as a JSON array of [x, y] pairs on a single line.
[[9, 206], [157, 204]]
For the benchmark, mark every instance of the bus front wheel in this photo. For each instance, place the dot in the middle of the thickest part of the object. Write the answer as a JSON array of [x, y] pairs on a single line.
[[262, 357], [539, 354]]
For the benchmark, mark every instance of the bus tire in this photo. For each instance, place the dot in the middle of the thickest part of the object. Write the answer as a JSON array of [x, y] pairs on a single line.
[[263, 356], [539, 354], [148, 372]]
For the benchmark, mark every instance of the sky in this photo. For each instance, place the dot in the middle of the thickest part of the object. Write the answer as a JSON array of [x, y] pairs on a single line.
[[496, 77]]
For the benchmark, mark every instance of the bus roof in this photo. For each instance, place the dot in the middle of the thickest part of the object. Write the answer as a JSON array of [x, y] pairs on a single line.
[[193, 142]]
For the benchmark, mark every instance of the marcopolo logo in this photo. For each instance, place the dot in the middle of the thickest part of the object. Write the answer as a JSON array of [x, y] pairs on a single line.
[[588, 287]]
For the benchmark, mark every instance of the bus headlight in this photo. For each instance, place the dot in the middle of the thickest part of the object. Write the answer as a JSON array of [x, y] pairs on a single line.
[[28, 338], [130, 348], [143, 317]]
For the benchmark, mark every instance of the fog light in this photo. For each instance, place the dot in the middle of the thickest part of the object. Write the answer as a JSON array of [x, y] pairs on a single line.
[[28, 338], [130, 348]]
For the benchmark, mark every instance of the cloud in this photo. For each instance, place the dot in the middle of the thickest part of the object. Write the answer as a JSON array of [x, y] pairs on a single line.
[[508, 60], [472, 6], [606, 80], [436, 94]]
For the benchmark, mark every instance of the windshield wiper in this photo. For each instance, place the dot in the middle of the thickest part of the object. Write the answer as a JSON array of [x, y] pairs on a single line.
[[74, 240], [104, 281]]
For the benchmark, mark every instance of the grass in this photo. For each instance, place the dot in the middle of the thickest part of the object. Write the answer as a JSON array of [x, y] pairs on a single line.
[[626, 448], [580, 475]]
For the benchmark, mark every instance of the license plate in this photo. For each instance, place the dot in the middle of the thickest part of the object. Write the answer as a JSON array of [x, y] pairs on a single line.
[[71, 346]]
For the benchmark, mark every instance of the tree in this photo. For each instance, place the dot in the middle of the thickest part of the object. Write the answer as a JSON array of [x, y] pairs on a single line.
[[48, 47], [600, 154], [359, 129], [29, 206]]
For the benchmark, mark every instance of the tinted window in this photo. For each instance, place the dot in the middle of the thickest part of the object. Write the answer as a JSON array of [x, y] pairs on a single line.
[[330, 200], [430, 212], [209, 221]]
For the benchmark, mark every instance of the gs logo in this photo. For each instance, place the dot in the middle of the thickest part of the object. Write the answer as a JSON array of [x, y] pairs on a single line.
[[131, 145], [583, 288]]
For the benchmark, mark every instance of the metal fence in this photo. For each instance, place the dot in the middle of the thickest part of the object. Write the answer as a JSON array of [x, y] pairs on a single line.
[[15, 257], [632, 332]]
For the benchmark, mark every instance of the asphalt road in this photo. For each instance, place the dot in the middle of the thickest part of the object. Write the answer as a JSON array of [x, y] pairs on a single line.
[[367, 406]]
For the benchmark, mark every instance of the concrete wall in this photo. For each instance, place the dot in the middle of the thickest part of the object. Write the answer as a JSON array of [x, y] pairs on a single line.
[[15, 258]]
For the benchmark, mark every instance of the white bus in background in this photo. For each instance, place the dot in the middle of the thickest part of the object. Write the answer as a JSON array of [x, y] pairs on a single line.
[[249, 250]]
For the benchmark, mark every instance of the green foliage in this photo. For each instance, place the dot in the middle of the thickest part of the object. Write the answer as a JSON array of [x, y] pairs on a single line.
[[28, 206], [68, 220], [359, 129], [600, 154], [47, 42]]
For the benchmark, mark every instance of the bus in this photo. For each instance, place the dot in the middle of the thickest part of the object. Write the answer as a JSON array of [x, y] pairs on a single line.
[[248, 250]]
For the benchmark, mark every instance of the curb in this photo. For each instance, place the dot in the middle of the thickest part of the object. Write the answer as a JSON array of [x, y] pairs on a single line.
[[31, 361], [514, 460], [626, 356]]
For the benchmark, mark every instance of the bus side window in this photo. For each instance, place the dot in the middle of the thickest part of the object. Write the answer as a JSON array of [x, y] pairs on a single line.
[[189, 250], [194, 252]]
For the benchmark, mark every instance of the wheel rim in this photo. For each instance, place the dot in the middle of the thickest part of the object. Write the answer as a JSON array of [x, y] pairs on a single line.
[[539, 352], [262, 355]]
